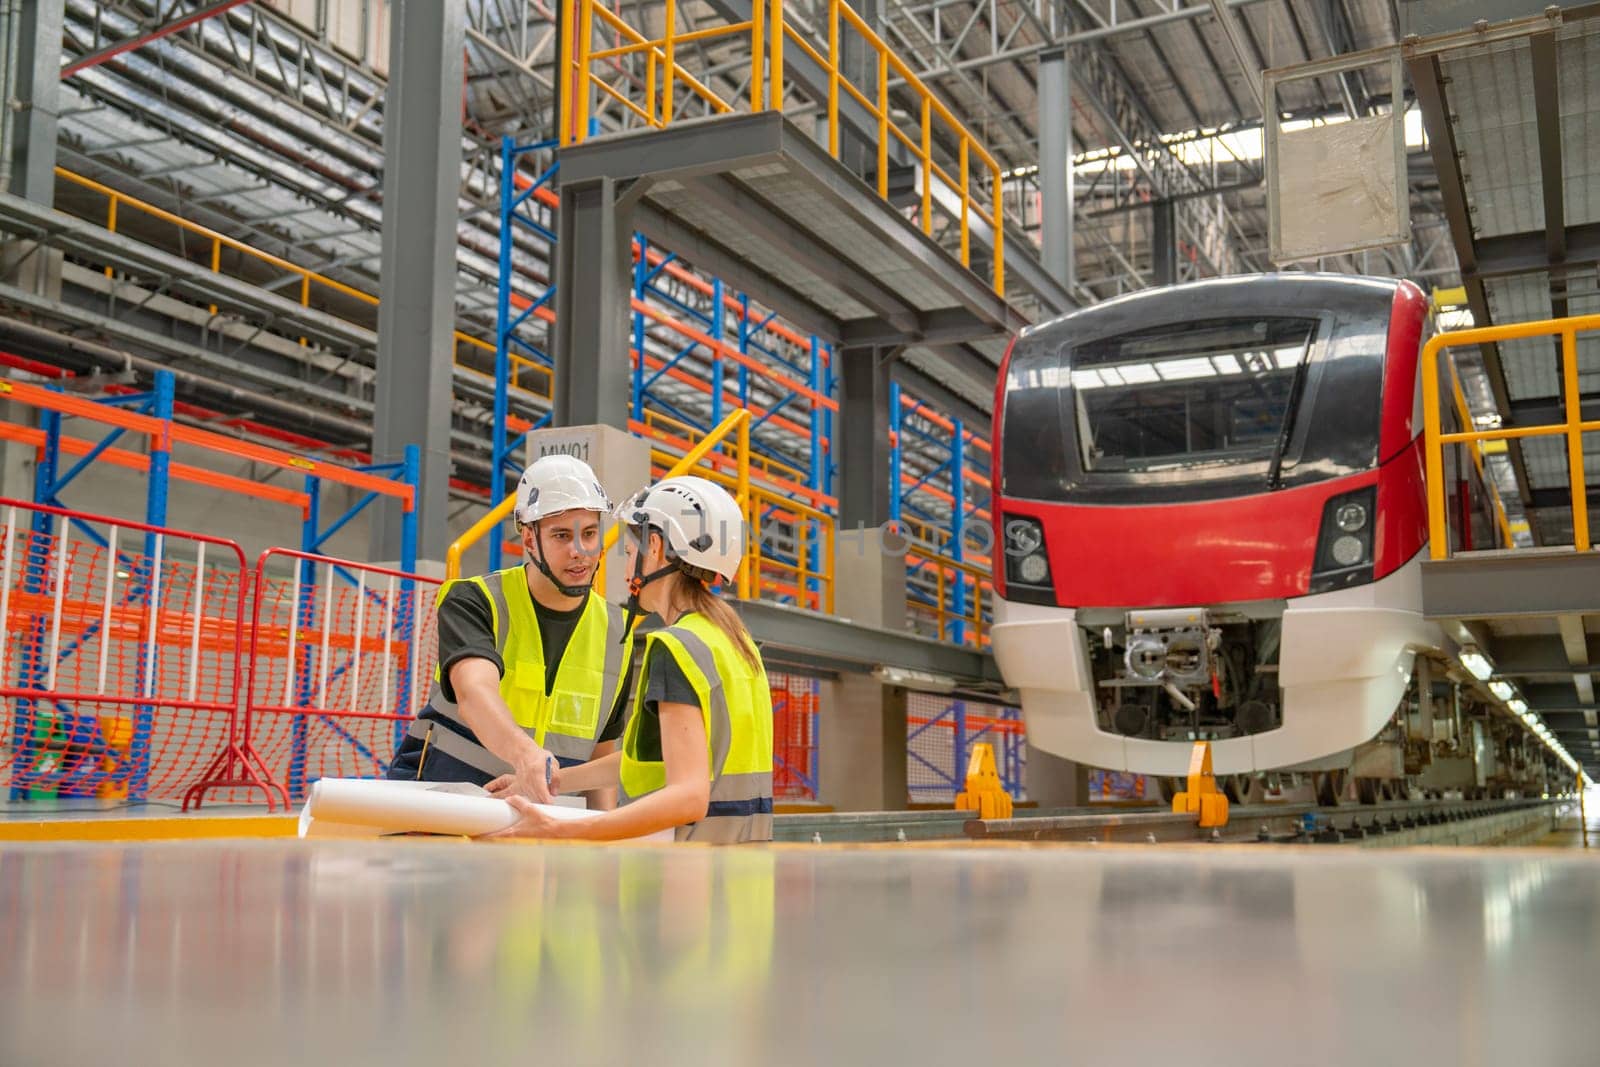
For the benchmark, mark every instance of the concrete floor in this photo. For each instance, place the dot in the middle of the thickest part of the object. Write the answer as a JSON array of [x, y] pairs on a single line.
[[436, 952]]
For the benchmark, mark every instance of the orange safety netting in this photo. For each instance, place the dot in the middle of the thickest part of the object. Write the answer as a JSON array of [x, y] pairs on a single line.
[[795, 703], [120, 655], [940, 733]]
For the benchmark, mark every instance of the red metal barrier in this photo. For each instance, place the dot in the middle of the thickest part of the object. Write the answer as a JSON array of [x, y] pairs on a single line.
[[341, 657], [120, 661]]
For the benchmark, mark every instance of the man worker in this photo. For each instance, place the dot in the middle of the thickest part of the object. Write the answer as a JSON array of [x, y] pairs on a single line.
[[532, 661]]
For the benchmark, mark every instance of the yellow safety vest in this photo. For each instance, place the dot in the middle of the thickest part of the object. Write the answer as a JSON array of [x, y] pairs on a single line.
[[568, 721], [736, 705]]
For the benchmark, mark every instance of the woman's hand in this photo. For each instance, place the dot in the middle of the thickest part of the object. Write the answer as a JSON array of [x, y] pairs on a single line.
[[533, 822]]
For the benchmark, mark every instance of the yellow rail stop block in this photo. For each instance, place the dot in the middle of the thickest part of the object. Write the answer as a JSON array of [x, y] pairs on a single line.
[[984, 793], [1202, 798]]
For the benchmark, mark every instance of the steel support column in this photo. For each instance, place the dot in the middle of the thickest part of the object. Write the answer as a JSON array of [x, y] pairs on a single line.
[[870, 566], [865, 387], [594, 279], [1164, 242], [31, 83], [416, 318], [1055, 167], [858, 149]]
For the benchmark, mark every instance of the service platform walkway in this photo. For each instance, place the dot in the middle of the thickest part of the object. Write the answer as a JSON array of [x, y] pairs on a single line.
[[432, 952], [754, 200]]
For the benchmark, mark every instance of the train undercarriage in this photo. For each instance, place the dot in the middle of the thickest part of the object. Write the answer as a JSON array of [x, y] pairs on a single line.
[[1185, 675]]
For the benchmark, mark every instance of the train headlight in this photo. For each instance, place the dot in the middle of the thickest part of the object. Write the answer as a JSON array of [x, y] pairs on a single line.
[[1027, 559], [1033, 569], [1348, 551], [1023, 537], [1344, 542], [1350, 517]]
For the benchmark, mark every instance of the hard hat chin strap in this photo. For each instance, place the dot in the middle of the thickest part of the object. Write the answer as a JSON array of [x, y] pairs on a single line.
[[544, 569], [636, 583]]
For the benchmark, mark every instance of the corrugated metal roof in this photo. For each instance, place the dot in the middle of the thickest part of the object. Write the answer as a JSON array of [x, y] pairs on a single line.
[[1579, 57], [1491, 96], [1530, 366]]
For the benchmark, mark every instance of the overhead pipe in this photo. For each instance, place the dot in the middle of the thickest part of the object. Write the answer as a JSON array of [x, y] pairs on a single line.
[[338, 430]]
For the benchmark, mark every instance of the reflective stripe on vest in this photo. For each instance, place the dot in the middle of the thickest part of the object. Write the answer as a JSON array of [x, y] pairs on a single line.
[[736, 705], [568, 721]]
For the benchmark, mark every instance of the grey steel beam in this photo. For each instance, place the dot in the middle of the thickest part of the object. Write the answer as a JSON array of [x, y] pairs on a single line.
[[1529, 252], [710, 255], [1554, 499], [763, 219], [967, 362], [30, 80], [1427, 79], [1528, 583], [1547, 118], [844, 644], [417, 315], [593, 282], [1543, 655], [871, 579], [1548, 411], [1164, 242], [942, 326], [273, 393], [1055, 167], [863, 432], [1575, 643], [26, 218], [1554, 697]]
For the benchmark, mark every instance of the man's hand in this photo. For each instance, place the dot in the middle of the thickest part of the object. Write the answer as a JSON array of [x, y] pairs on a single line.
[[533, 777]]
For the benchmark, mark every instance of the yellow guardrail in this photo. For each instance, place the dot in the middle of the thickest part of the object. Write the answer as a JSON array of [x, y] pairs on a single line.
[[1477, 450], [1572, 428], [520, 365], [812, 526], [648, 65], [738, 423], [946, 571]]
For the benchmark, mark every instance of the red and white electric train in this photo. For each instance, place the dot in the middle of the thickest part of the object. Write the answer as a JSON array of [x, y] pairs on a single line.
[[1211, 510]]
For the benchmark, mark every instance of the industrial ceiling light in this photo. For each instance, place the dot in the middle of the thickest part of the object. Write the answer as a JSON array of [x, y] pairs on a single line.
[[1518, 707], [1476, 663], [1502, 690]]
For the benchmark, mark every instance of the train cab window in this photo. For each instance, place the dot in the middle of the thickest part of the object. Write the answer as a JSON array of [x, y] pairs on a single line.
[[1217, 393], [1034, 446]]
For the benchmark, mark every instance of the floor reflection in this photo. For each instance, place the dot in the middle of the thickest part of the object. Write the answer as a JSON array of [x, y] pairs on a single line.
[[421, 951]]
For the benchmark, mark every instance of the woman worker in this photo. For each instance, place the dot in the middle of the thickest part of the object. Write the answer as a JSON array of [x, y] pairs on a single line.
[[697, 752]]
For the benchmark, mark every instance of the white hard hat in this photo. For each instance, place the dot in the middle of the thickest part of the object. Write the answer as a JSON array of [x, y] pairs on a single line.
[[553, 484], [699, 521]]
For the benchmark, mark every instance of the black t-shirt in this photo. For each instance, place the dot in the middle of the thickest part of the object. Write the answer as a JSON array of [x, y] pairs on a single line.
[[666, 684], [466, 631]]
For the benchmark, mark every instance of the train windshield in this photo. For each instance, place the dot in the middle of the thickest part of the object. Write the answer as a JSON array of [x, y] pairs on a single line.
[[1221, 392]]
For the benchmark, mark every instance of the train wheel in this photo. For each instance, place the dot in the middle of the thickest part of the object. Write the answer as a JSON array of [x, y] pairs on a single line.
[[1329, 786]]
